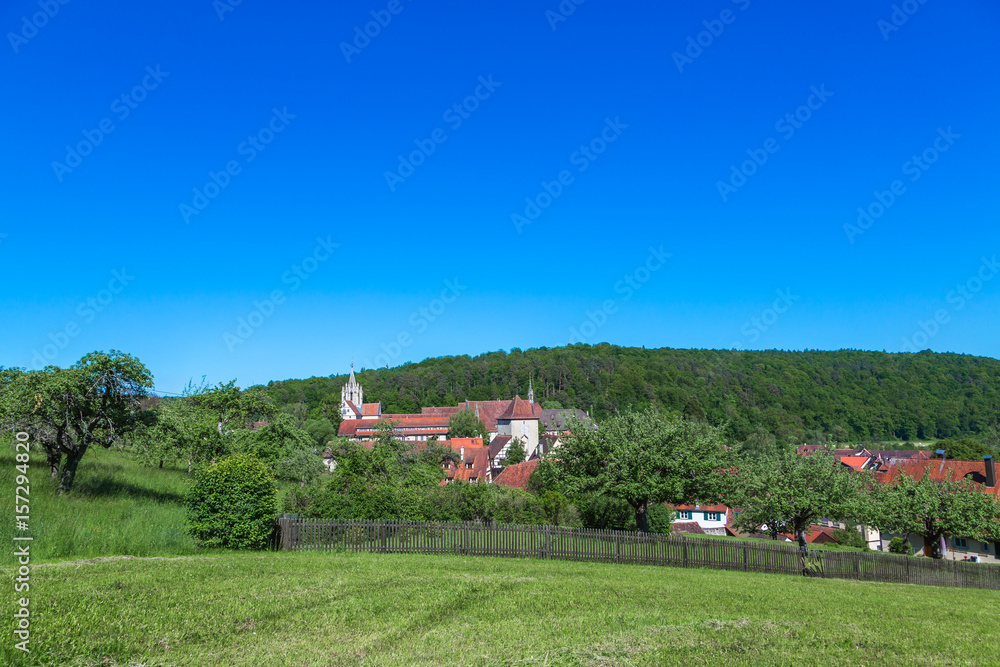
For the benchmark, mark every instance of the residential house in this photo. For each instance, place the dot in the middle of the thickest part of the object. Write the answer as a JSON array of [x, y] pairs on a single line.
[[983, 474]]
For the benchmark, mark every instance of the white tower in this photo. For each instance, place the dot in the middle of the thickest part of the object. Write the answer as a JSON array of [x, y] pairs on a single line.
[[352, 392]]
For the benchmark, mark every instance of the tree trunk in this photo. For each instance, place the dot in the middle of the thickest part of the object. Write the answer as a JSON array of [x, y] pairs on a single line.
[[642, 517], [932, 546], [69, 468], [800, 535]]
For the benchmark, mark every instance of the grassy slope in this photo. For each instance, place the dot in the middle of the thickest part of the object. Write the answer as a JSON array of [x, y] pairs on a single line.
[[116, 507], [335, 608]]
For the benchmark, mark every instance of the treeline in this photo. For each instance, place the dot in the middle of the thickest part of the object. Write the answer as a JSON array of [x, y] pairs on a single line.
[[816, 396]]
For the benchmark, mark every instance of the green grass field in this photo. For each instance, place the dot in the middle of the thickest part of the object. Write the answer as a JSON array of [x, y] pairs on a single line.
[[313, 608]]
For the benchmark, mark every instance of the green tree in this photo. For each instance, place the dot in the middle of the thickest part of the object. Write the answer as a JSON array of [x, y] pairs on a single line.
[[933, 509], [515, 453], [233, 504], [964, 449], [96, 401], [643, 458], [788, 492], [465, 424]]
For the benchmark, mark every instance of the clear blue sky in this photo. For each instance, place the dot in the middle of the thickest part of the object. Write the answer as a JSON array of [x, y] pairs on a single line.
[[642, 139]]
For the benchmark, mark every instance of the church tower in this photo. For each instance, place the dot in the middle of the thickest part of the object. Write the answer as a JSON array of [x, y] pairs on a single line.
[[531, 392], [351, 393]]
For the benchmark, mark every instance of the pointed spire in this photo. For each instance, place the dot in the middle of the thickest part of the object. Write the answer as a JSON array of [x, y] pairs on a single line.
[[531, 392]]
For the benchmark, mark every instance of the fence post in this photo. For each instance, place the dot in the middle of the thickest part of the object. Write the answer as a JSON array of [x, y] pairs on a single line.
[[906, 561], [545, 549], [954, 568], [618, 547], [382, 529], [746, 557], [685, 551], [857, 565]]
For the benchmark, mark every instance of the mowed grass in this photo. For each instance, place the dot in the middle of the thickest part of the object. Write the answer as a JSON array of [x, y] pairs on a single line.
[[116, 507], [314, 608]]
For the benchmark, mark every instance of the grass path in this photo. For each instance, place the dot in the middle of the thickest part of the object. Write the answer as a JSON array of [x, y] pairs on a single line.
[[346, 609]]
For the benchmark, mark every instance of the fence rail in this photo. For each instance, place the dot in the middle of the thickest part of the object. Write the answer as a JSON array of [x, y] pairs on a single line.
[[613, 546]]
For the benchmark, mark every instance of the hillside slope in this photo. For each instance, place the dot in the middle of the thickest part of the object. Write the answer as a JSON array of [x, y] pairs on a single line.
[[846, 394]]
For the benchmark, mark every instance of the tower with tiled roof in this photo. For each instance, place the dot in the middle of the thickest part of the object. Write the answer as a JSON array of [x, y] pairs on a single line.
[[520, 420]]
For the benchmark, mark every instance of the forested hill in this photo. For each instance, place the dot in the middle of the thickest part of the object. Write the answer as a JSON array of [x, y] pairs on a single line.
[[843, 395]]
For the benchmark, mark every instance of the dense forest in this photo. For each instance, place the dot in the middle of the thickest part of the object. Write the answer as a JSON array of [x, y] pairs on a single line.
[[841, 396]]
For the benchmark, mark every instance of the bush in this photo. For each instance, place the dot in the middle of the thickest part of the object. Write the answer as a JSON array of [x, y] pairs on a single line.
[[232, 504], [850, 538], [900, 545]]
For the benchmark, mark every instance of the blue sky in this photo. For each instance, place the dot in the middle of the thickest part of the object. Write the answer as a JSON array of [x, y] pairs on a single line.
[[251, 192]]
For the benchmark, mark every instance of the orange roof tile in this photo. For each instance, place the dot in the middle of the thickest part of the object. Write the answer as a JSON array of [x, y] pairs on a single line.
[[516, 476]]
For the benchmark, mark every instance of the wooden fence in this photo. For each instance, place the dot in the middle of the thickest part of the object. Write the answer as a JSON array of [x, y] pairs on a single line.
[[613, 546]]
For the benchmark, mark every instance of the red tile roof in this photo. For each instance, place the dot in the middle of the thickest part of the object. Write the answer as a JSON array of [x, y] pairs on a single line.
[[820, 534], [855, 462], [371, 409], [521, 409], [691, 527], [516, 476], [353, 407], [945, 470]]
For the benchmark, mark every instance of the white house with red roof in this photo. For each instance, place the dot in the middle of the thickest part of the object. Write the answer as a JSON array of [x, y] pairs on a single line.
[[712, 519]]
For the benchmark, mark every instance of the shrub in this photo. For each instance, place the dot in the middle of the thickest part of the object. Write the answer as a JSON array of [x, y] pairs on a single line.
[[900, 545], [232, 504], [850, 538]]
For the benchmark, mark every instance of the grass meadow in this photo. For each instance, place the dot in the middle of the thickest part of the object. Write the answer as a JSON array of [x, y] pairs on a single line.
[[116, 507], [315, 608]]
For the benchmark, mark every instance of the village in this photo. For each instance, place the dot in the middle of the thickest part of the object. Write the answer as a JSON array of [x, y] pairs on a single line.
[[524, 423]]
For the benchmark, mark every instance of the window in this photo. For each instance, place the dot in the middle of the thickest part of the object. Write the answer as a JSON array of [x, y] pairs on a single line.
[[960, 543], [712, 516], [683, 514]]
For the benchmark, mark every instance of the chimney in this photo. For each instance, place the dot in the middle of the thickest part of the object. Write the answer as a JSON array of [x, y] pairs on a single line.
[[991, 475], [944, 458], [463, 454]]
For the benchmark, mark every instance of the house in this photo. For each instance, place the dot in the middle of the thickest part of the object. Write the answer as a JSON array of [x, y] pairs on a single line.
[[473, 463], [712, 519], [983, 474]]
